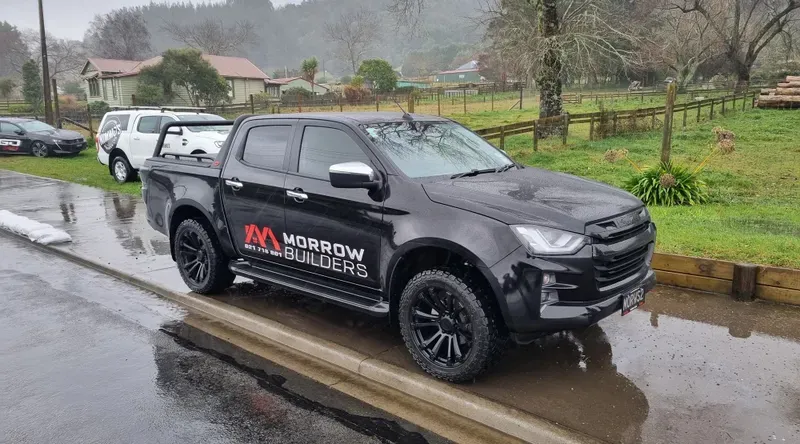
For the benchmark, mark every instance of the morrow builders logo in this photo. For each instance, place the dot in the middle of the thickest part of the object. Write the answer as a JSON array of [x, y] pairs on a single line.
[[315, 252]]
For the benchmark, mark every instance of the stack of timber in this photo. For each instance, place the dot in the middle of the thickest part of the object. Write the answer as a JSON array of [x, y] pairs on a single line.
[[786, 95]]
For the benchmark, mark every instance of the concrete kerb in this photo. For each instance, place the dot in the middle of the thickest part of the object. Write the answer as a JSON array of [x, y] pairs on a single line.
[[505, 419]]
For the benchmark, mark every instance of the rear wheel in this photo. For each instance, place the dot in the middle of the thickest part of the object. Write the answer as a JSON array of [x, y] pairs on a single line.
[[121, 169], [448, 325], [200, 259], [39, 149]]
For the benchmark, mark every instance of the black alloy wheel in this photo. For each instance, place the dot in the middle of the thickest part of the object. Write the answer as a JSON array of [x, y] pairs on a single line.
[[200, 259], [194, 255], [442, 328], [449, 325]]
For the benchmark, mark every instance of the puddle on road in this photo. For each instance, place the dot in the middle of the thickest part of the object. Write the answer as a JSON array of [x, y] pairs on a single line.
[[687, 367]]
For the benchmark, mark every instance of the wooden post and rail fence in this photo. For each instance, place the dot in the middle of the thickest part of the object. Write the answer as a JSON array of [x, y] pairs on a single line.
[[614, 118]]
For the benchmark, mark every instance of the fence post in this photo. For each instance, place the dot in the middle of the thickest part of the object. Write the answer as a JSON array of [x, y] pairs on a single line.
[[753, 104], [439, 102], [133, 99], [614, 132], [711, 112], [566, 129], [503, 137], [699, 105], [252, 104], [465, 100], [299, 103], [666, 140], [89, 118], [685, 111], [55, 105], [535, 137], [653, 119], [492, 98], [723, 106], [591, 128], [521, 89], [733, 104], [377, 102]]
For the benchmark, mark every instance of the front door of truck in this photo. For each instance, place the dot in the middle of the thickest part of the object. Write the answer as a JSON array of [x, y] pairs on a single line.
[[253, 188], [330, 231]]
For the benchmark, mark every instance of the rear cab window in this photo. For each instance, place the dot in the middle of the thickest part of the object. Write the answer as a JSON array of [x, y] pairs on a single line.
[[266, 146]]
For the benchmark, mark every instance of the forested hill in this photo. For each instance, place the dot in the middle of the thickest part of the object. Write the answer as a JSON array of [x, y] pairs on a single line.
[[288, 34]]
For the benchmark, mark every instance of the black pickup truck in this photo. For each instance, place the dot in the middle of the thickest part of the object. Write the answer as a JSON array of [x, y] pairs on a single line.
[[409, 217]]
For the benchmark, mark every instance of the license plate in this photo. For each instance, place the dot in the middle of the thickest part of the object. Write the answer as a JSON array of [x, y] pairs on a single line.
[[632, 300]]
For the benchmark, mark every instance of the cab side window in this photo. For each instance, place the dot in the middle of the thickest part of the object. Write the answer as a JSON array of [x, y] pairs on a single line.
[[266, 146], [322, 147], [148, 124]]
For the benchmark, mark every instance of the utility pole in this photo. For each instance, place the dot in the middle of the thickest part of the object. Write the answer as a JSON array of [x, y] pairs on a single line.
[[48, 112]]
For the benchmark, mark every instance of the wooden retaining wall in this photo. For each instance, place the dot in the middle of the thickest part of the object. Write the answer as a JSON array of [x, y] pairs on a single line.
[[772, 283]]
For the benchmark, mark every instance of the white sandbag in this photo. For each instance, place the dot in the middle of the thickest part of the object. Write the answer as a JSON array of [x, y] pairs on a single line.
[[35, 231]]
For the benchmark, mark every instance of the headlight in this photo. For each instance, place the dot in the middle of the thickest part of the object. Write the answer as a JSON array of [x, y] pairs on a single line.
[[549, 241], [219, 143]]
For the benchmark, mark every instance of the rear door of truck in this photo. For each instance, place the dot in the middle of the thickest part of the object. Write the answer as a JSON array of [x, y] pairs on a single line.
[[253, 192]]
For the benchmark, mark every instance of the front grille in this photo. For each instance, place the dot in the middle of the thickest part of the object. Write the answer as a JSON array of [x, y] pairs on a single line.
[[614, 269]]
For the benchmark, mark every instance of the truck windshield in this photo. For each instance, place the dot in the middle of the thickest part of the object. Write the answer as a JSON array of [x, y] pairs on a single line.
[[427, 149], [203, 117]]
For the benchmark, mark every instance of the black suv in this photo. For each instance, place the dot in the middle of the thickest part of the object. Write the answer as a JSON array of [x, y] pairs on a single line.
[[410, 217]]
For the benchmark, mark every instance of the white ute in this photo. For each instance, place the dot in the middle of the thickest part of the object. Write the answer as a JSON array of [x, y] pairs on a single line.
[[126, 137]]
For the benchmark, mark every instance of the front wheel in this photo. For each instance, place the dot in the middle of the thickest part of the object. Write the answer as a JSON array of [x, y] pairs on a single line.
[[200, 259], [39, 149], [449, 326]]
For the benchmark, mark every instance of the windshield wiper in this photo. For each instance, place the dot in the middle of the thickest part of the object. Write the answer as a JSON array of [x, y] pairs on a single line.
[[505, 168], [473, 173]]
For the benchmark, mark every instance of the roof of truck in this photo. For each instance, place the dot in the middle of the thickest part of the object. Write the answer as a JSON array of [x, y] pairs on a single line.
[[357, 118]]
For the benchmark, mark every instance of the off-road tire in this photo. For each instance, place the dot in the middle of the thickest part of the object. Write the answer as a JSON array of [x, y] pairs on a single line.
[[219, 276], [489, 340]]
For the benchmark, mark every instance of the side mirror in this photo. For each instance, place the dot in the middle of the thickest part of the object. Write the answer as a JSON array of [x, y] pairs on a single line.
[[175, 131], [20, 132], [353, 175]]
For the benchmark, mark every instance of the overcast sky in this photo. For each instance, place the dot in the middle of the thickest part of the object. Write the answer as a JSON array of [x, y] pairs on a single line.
[[69, 19]]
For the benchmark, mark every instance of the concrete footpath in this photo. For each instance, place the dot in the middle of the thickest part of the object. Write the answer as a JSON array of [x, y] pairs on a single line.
[[687, 367]]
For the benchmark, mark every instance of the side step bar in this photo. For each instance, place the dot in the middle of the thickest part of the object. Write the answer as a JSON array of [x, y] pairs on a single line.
[[353, 298]]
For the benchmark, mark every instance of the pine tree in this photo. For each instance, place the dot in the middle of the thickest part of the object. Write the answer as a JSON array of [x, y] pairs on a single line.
[[32, 84]]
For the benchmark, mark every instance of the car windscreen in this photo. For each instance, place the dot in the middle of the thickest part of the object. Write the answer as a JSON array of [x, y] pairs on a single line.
[[427, 149], [35, 126], [204, 117]]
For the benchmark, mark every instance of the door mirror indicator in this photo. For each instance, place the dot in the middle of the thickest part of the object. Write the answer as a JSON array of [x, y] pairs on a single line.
[[353, 175]]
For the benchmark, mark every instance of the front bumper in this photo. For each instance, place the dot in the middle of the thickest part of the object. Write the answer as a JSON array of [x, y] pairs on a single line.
[[67, 148], [584, 294]]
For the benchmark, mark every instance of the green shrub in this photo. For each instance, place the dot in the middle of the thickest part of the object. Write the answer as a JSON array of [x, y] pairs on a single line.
[[668, 184], [20, 109], [293, 94], [99, 108]]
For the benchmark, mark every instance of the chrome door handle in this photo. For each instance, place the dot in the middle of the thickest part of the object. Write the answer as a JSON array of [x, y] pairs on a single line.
[[297, 195], [234, 184]]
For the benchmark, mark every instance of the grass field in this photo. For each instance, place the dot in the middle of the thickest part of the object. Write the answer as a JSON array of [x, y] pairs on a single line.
[[753, 216]]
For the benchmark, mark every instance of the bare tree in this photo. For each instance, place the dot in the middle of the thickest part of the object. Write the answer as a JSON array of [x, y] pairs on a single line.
[[121, 34], [212, 37], [745, 27], [680, 43], [14, 51], [64, 57], [354, 34], [548, 38]]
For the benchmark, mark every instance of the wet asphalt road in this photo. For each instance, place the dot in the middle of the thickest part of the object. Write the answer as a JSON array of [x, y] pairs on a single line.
[[687, 367], [85, 358]]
